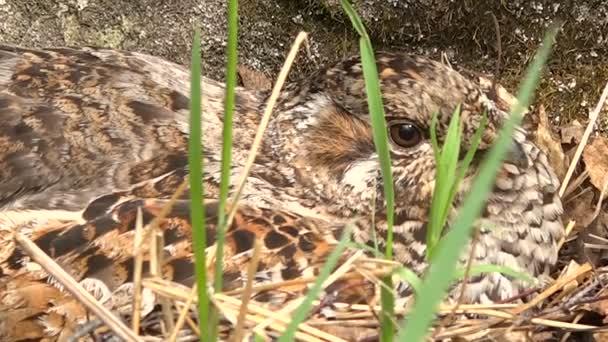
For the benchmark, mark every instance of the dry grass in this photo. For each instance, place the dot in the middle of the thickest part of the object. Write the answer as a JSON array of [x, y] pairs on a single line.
[[575, 289]]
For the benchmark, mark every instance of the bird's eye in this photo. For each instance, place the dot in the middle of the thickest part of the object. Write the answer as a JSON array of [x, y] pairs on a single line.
[[405, 134]]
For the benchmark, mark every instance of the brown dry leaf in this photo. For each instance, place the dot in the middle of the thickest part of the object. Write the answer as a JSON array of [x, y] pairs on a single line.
[[601, 336], [570, 152], [495, 334], [594, 239], [349, 333], [572, 268], [600, 307], [253, 79], [515, 336], [573, 133], [595, 156], [547, 141], [542, 336], [580, 210]]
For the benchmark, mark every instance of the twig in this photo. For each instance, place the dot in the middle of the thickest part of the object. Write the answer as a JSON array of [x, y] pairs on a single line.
[[579, 150], [278, 317], [552, 289], [582, 177], [69, 283], [85, 329], [246, 296], [182, 315], [157, 242], [387, 264], [272, 100], [137, 271], [569, 229], [276, 326], [164, 211], [568, 333], [332, 278], [598, 207]]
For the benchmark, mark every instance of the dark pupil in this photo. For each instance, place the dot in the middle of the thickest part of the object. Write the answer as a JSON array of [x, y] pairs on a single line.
[[407, 132]]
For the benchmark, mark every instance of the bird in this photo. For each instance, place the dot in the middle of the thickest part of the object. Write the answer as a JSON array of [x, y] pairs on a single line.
[[91, 136]]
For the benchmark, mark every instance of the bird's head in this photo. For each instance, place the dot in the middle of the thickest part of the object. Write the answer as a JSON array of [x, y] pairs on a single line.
[[328, 134], [324, 134]]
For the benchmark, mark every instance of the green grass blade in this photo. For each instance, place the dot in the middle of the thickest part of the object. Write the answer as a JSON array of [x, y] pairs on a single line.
[[300, 314], [451, 148], [488, 268], [436, 201], [468, 158], [376, 111], [354, 18], [376, 108], [379, 132], [372, 250], [387, 315], [450, 154], [446, 182], [229, 99], [447, 162], [434, 140], [197, 212], [410, 277], [437, 281]]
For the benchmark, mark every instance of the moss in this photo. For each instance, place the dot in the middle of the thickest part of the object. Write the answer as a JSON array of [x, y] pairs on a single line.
[[71, 33], [110, 37]]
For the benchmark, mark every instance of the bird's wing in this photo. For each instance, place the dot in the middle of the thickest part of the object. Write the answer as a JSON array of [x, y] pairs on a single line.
[[99, 253], [78, 124], [75, 121]]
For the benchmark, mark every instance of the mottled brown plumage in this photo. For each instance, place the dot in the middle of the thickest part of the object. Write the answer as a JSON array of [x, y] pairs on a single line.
[[88, 136]]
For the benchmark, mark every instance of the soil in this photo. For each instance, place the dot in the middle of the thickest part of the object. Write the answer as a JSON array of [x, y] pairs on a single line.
[[463, 31]]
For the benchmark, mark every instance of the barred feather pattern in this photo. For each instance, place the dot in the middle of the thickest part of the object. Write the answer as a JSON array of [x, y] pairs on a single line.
[[88, 137]]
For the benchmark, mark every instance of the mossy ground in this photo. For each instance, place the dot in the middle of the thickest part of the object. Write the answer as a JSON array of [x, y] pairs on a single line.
[[463, 30]]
